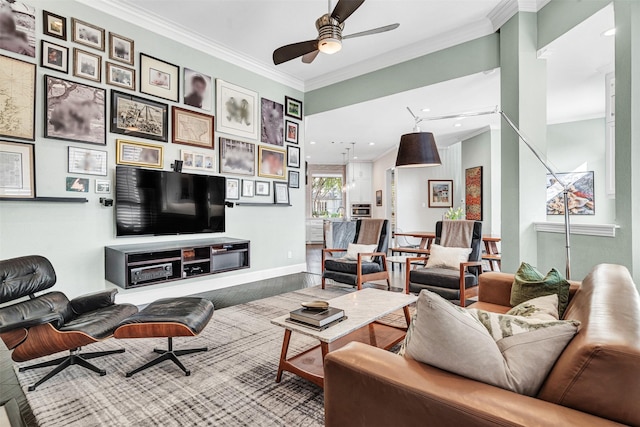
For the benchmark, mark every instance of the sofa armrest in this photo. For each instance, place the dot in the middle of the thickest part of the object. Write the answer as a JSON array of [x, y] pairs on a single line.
[[93, 301], [495, 288], [56, 318], [367, 386]]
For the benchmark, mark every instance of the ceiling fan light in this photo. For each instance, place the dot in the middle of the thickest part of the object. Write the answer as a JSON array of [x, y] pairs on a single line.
[[329, 45]]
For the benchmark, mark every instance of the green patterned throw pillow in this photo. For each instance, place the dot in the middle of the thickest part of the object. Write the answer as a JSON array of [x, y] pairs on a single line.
[[529, 283]]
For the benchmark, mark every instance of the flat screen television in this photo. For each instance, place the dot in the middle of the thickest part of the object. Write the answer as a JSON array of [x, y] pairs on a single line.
[[156, 202]]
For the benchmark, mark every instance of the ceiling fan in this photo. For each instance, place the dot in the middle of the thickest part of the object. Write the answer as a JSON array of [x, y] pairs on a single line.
[[330, 37]]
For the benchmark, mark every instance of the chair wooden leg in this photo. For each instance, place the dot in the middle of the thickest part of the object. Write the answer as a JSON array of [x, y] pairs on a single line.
[[323, 282]]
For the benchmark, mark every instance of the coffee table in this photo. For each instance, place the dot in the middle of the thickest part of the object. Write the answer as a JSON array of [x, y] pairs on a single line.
[[363, 308]]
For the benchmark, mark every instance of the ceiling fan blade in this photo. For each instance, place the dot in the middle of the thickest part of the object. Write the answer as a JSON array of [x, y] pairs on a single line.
[[344, 9], [373, 31], [310, 57], [292, 51]]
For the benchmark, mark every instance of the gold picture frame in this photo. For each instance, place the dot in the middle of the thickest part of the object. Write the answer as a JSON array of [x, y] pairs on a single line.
[[133, 153], [272, 162]]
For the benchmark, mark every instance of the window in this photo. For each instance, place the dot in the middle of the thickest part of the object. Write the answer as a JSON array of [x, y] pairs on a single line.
[[326, 196]]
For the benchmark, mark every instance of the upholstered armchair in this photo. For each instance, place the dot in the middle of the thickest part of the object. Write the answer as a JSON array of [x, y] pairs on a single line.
[[365, 266], [46, 324], [457, 283]]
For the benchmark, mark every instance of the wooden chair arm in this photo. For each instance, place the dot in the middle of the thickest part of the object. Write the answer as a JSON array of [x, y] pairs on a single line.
[[330, 251], [409, 262], [465, 265], [463, 289]]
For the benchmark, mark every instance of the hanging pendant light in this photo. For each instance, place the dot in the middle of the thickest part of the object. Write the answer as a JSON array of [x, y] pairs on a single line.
[[417, 149]]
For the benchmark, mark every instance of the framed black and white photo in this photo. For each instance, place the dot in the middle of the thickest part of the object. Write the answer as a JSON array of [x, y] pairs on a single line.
[[236, 110], [248, 188], [77, 185], [87, 162], [54, 25], [191, 128], [87, 34], [74, 111], [237, 157], [281, 193], [233, 189], [18, 177], [18, 28], [291, 131], [140, 117], [54, 57], [159, 78], [294, 179], [17, 98], [87, 65], [293, 108], [103, 186], [293, 156], [121, 49], [271, 162], [133, 153], [198, 89], [263, 188], [197, 161], [120, 76], [272, 130]]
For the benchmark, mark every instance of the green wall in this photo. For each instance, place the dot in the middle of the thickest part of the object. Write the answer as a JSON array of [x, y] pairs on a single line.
[[560, 16]]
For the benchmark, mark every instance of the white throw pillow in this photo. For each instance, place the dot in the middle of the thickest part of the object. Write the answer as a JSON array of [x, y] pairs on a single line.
[[510, 352], [354, 249], [443, 257], [541, 308]]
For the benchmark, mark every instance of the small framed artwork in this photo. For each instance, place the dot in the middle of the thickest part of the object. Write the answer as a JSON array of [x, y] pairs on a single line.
[[271, 163], [248, 188], [292, 108], [197, 89], [272, 125], [191, 128], [293, 156], [121, 76], [294, 179], [17, 98], [78, 185], [134, 153], [74, 111], [87, 65], [473, 193], [197, 161], [281, 193], [159, 78], [236, 110], [87, 34], [263, 188], [18, 27], [54, 25], [103, 186], [140, 117], [237, 157], [87, 162], [440, 193], [379, 198], [54, 57], [18, 177], [121, 49], [233, 189], [291, 131]]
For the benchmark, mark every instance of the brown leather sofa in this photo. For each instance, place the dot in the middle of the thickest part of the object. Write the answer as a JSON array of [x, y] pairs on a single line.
[[595, 382]]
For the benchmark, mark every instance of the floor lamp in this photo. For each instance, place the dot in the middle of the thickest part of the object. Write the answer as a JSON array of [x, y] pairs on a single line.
[[565, 187]]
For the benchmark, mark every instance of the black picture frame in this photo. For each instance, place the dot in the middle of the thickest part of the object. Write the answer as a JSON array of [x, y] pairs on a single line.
[[165, 70], [125, 106], [293, 108], [281, 193], [46, 58], [48, 17], [293, 157], [294, 179], [291, 130]]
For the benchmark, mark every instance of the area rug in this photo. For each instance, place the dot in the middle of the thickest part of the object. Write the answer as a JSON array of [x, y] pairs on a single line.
[[233, 384]]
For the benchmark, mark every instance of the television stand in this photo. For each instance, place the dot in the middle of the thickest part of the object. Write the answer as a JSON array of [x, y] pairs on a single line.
[[144, 264]]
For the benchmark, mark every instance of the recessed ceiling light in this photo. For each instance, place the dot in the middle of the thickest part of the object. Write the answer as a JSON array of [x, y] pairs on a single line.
[[457, 125], [372, 143], [312, 143], [426, 110], [609, 32]]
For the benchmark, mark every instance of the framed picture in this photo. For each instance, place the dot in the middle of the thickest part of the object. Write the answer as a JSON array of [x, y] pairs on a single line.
[[379, 198], [87, 65], [263, 188], [87, 34], [18, 28], [74, 111], [233, 189], [197, 89], [291, 131], [54, 25], [293, 108], [134, 153], [121, 49], [294, 179], [473, 193], [271, 163], [197, 161], [121, 76], [237, 157], [17, 98], [248, 188], [78, 185], [87, 162], [440, 193], [191, 128], [140, 117], [293, 156], [581, 194], [159, 78], [18, 177], [272, 130], [103, 186], [281, 193], [54, 57], [237, 110]]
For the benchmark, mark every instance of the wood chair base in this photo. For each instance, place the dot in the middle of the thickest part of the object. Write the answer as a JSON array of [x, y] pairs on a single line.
[[169, 354]]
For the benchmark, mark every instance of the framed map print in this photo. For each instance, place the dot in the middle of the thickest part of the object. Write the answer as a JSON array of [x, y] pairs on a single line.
[[17, 98]]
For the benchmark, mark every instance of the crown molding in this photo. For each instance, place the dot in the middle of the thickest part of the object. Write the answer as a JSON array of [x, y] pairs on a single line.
[[506, 9]]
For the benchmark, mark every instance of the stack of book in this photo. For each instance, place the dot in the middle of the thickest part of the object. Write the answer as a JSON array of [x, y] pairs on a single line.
[[317, 319]]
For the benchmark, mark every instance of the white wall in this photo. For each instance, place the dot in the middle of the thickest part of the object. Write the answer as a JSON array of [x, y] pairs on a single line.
[[379, 182], [73, 236]]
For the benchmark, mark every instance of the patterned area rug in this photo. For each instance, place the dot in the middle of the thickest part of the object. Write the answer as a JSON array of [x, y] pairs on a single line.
[[233, 384]]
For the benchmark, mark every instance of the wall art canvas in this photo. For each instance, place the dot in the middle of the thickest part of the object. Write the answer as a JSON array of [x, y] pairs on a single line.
[[87, 34], [236, 110], [440, 193], [54, 57], [237, 157], [17, 98], [17, 170], [54, 25], [197, 160], [87, 162], [581, 193], [135, 116], [272, 130], [159, 78], [18, 27], [272, 163], [473, 193], [191, 128], [198, 89], [74, 111], [121, 49]]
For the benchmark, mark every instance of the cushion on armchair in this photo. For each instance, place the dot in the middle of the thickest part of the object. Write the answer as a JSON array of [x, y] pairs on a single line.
[[443, 257], [351, 267], [354, 249], [93, 301]]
